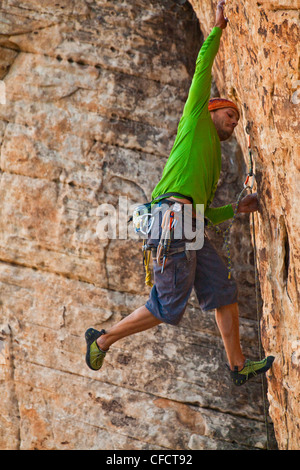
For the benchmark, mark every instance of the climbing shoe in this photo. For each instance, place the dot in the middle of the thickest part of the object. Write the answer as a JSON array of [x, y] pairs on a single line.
[[94, 355], [250, 369]]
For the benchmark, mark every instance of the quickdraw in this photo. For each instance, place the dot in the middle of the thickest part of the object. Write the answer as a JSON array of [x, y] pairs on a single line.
[[250, 172], [168, 224]]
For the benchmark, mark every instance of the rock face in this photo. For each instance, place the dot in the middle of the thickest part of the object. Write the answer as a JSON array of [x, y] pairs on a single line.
[[258, 68], [94, 93]]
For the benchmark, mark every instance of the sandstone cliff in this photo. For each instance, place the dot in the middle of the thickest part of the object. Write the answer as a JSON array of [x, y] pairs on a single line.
[[258, 67], [94, 92]]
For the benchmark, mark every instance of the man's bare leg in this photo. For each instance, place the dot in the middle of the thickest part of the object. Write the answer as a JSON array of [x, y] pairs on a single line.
[[227, 318], [139, 320]]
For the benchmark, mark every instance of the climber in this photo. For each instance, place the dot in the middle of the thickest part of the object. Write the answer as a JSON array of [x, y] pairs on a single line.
[[192, 171]]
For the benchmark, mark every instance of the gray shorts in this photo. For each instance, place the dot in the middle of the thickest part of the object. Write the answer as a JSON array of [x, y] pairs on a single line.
[[202, 269]]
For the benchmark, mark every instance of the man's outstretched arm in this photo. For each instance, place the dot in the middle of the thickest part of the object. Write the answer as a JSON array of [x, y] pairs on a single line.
[[199, 93]]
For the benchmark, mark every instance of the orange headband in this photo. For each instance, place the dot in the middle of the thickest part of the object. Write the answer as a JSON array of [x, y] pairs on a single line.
[[218, 103]]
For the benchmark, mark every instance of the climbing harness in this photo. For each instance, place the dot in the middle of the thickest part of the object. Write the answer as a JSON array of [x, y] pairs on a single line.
[[142, 216], [143, 219], [168, 225]]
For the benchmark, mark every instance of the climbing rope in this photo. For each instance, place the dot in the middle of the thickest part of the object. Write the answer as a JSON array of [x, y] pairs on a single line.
[[263, 378], [258, 317]]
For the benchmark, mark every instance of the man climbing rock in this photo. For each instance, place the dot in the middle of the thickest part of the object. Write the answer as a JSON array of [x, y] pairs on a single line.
[[190, 177]]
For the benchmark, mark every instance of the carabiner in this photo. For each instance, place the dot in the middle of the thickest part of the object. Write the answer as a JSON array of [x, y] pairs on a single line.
[[246, 185]]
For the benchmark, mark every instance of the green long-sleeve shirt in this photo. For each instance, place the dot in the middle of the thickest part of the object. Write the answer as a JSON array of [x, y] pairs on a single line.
[[194, 165]]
